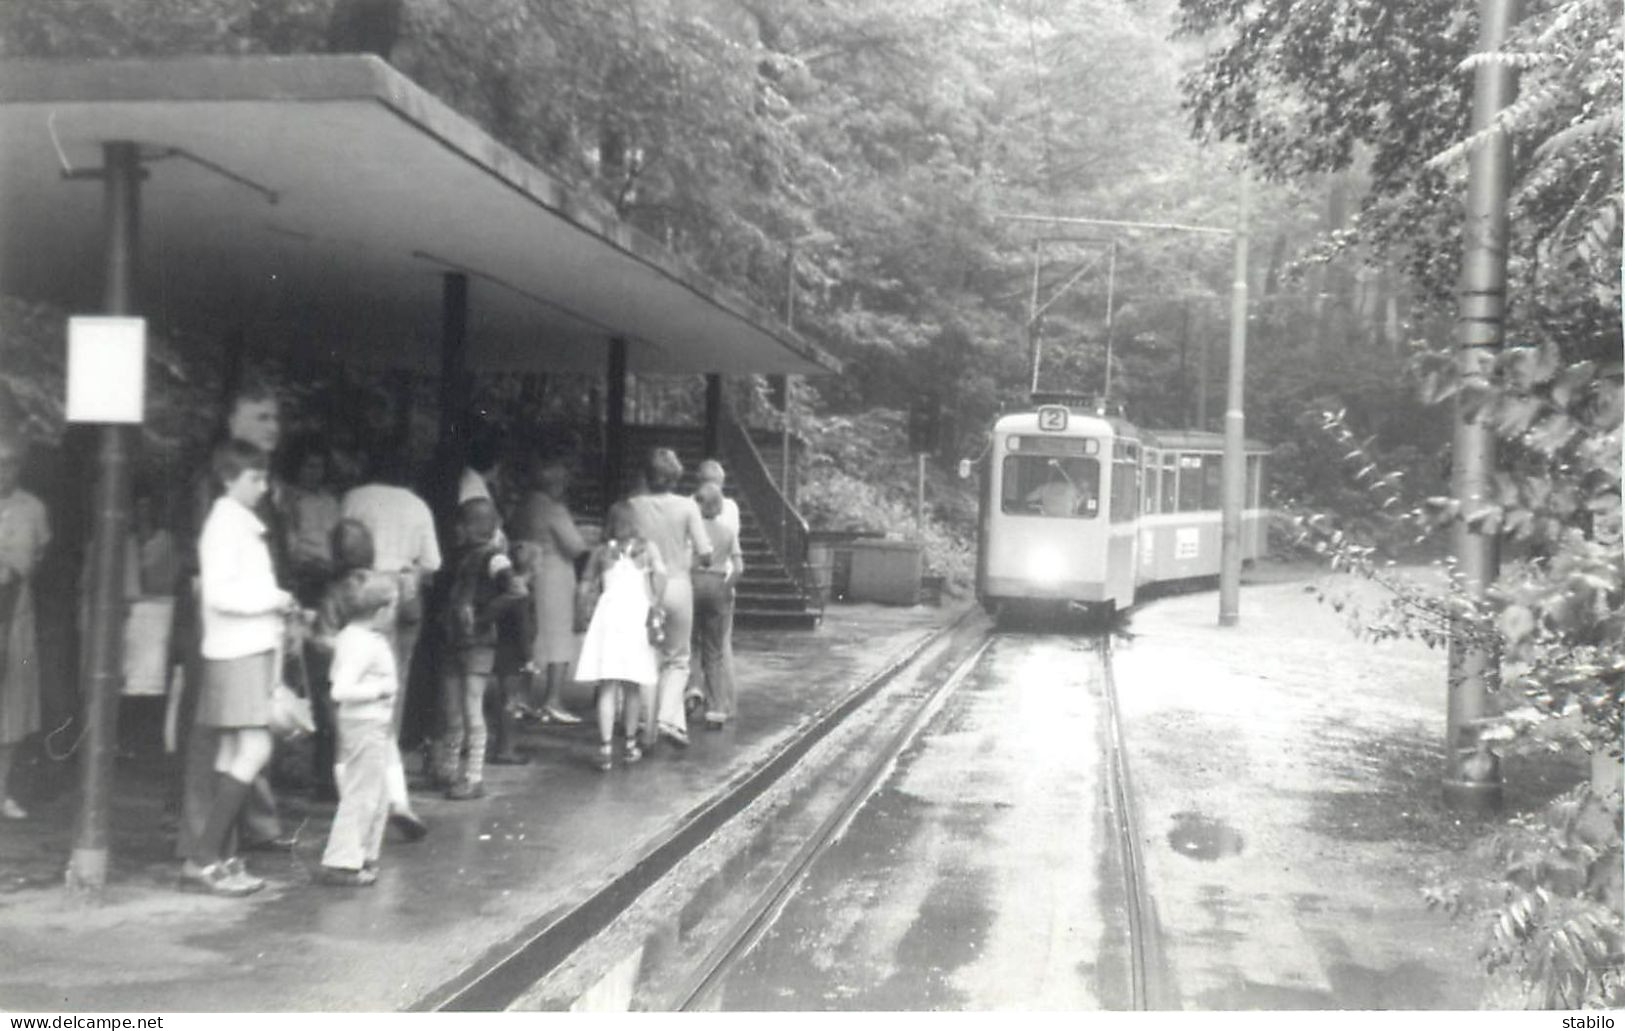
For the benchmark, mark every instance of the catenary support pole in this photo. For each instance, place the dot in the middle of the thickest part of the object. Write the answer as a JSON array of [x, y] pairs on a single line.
[[1235, 428], [1111, 291], [1472, 781], [919, 496], [1032, 318], [87, 865], [614, 420]]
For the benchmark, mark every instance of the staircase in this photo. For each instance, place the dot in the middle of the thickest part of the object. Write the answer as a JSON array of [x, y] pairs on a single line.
[[769, 595]]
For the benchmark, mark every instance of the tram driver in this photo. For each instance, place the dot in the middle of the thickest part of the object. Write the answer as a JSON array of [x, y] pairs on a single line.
[[1059, 495]]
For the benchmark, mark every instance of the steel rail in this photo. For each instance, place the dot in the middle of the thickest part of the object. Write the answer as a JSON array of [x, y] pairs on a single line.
[[1148, 984], [754, 923]]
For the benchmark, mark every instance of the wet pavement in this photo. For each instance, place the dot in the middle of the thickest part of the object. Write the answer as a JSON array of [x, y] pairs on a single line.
[[1281, 768], [547, 836], [981, 874]]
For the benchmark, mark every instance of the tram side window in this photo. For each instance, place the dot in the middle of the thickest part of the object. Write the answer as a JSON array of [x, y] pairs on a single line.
[[1212, 481], [1150, 488], [1066, 487], [1190, 483], [1170, 483], [1255, 470], [1125, 490]]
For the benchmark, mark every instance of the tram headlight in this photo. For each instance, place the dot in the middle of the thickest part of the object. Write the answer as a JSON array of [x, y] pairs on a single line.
[[1046, 565]]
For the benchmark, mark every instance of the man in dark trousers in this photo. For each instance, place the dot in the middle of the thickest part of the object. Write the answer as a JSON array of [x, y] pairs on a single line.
[[253, 416]]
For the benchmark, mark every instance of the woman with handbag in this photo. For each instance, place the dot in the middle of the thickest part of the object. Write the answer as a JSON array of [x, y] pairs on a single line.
[[672, 523], [616, 601], [243, 613]]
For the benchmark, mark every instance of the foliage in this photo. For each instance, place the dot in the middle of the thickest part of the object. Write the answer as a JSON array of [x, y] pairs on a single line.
[[859, 478], [1553, 932]]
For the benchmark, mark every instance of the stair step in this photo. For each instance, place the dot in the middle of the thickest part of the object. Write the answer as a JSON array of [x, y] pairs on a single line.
[[758, 619], [773, 602]]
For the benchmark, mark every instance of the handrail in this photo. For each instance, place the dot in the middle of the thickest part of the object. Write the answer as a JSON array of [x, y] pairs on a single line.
[[788, 529]]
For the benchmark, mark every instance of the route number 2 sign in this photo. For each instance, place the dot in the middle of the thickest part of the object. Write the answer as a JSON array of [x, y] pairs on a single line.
[[1052, 418]]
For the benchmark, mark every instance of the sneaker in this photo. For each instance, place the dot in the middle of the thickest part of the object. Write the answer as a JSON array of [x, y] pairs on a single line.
[[466, 789], [339, 877], [11, 810], [554, 714], [412, 828], [606, 757], [715, 720], [217, 879], [633, 752], [239, 869]]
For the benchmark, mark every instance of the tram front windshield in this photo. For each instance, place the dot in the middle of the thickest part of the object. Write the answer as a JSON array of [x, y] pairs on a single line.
[[1060, 487]]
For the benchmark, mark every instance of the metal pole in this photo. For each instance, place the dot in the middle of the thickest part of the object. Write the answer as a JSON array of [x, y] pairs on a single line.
[[454, 393], [1112, 223], [87, 865], [1473, 779], [1235, 429], [1032, 319], [919, 496], [713, 414], [1111, 287]]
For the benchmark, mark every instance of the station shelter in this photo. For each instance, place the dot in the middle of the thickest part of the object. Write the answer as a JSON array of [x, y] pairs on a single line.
[[327, 206]]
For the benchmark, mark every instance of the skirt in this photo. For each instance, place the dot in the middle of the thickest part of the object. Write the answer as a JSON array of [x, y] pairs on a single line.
[[237, 692]]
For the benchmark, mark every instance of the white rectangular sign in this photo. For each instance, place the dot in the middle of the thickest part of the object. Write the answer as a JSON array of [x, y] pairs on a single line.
[[107, 369]]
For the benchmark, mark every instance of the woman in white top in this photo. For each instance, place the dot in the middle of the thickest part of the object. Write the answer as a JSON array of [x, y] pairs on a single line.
[[672, 523], [243, 619]]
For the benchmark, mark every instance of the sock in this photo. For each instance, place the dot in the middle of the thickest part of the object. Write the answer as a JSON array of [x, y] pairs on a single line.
[[229, 796]]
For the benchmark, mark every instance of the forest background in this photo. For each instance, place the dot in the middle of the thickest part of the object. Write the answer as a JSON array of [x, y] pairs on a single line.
[[858, 156]]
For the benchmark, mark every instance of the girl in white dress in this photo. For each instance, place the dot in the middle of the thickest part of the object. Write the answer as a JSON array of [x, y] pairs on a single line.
[[623, 577]]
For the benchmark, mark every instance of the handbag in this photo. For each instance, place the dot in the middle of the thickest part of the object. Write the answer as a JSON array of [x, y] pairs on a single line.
[[290, 717], [656, 624]]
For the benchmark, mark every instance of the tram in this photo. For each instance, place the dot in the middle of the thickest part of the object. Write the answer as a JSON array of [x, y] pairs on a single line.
[[1083, 509]]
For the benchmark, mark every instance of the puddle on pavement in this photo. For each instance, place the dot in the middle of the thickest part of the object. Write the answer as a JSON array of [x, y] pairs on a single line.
[[1203, 838]]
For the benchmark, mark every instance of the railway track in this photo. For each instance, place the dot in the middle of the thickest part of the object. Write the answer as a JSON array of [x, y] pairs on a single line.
[[1145, 987], [764, 879]]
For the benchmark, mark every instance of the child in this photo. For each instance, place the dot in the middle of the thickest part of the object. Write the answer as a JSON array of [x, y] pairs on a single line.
[[483, 584], [513, 671], [243, 610], [625, 574], [351, 548], [364, 685]]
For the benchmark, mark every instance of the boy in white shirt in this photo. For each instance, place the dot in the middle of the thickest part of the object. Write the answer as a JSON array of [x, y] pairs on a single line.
[[364, 686]]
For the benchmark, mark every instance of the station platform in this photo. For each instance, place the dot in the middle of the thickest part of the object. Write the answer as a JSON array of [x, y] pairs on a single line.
[[547, 836]]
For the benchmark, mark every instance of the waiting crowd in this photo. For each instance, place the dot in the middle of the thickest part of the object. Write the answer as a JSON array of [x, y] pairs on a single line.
[[290, 582]]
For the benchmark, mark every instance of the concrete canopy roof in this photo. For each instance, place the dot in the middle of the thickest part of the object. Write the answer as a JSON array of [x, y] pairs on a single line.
[[315, 202]]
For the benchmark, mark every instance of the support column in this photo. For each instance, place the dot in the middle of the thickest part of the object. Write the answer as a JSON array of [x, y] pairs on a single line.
[[1472, 781], [454, 393], [402, 385], [110, 529], [1235, 430], [614, 420], [713, 414]]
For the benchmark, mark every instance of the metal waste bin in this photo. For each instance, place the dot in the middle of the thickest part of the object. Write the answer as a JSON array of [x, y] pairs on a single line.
[[886, 571]]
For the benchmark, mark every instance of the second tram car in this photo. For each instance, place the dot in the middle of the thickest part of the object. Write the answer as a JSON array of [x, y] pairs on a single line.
[[1079, 508]]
